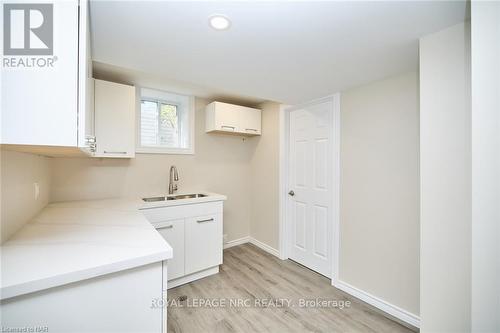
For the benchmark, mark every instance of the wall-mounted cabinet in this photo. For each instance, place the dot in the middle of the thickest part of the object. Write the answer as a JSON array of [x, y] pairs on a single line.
[[114, 113], [46, 103], [230, 118]]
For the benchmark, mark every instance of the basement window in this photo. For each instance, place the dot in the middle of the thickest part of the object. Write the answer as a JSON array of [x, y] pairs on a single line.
[[166, 123]]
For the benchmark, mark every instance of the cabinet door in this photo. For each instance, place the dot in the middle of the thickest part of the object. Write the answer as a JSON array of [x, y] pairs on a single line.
[[226, 117], [39, 92], [173, 232], [250, 121], [203, 242], [114, 119], [86, 134]]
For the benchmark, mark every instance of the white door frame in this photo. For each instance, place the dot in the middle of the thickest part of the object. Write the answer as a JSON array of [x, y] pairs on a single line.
[[283, 181]]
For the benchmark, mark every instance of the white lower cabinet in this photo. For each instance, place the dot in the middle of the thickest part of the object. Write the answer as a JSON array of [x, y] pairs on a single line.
[[203, 247], [173, 232], [194, 232], [126, 301]]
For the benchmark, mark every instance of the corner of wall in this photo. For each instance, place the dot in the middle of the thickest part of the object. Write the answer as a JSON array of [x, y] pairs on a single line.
[[264, 165], [19, 173]]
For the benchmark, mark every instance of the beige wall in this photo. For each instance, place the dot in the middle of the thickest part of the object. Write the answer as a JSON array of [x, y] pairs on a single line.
[[445, 148], [221, 163], [379, 212], [246, 170], [265, 179], [18, 173]]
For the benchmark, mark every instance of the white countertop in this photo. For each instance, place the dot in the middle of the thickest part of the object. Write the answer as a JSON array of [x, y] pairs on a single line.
[[77, 240], [73, 241]]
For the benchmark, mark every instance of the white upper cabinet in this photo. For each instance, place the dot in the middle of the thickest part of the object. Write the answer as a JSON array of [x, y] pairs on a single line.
[[86, 131], [40, 76], [222, 117], [114, 112], [230, 118], [250, 121]]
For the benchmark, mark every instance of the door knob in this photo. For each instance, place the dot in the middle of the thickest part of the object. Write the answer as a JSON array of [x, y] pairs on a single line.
[[291, 193]]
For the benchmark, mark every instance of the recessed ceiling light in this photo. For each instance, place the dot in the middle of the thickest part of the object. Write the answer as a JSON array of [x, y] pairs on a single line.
[[219, 22]]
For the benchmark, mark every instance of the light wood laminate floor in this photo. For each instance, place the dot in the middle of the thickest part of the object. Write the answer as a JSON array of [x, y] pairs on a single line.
[[264, 285]]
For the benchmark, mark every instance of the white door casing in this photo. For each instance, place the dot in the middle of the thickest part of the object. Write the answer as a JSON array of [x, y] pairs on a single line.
[[311, 215]]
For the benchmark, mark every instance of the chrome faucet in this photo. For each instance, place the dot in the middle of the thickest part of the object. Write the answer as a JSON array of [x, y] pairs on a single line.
[[174, 177]]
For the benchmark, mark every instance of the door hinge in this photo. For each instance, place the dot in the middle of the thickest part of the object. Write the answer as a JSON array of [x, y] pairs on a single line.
[[91, 142]]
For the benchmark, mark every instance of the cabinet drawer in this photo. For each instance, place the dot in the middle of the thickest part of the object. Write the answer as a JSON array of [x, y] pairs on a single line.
[[173, 233], [203, 247], [161, 214]]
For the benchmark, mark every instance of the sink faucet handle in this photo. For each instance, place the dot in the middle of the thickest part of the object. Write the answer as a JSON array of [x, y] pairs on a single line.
[[174, 176]]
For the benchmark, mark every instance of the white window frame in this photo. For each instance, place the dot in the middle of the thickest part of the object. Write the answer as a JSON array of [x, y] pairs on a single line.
[[167, 97]]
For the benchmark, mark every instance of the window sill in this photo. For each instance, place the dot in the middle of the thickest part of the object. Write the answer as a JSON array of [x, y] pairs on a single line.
[[166, 151]]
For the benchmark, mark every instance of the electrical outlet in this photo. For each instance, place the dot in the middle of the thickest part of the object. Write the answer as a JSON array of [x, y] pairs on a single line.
[[36, 190]]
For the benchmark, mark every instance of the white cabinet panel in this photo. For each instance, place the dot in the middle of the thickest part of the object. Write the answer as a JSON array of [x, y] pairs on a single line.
[[173, 232], [194, 231], [230, 118], [85, 82], [118, 302], [250, 121], [161, 214], [39, 105], [114, 119], [203, 247], [226, 119]]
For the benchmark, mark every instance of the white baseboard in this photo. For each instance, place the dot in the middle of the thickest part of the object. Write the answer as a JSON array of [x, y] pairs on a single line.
[[388, 308], [237, 242], [265, 247], [251, 240]]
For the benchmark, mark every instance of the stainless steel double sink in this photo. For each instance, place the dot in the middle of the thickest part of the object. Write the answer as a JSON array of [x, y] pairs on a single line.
[[174, 197]]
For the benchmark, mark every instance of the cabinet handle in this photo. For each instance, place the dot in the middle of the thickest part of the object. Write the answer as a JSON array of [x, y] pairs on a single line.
[[114, 152], [166, 227], [251, 129], [231, 127], [203, 221]]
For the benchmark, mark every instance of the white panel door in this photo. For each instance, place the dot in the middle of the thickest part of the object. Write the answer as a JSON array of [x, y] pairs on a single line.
[[310, 200], [203, 247], [173, 232]]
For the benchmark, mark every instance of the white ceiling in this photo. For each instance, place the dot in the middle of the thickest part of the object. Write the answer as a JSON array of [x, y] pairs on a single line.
[[283, 51]]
